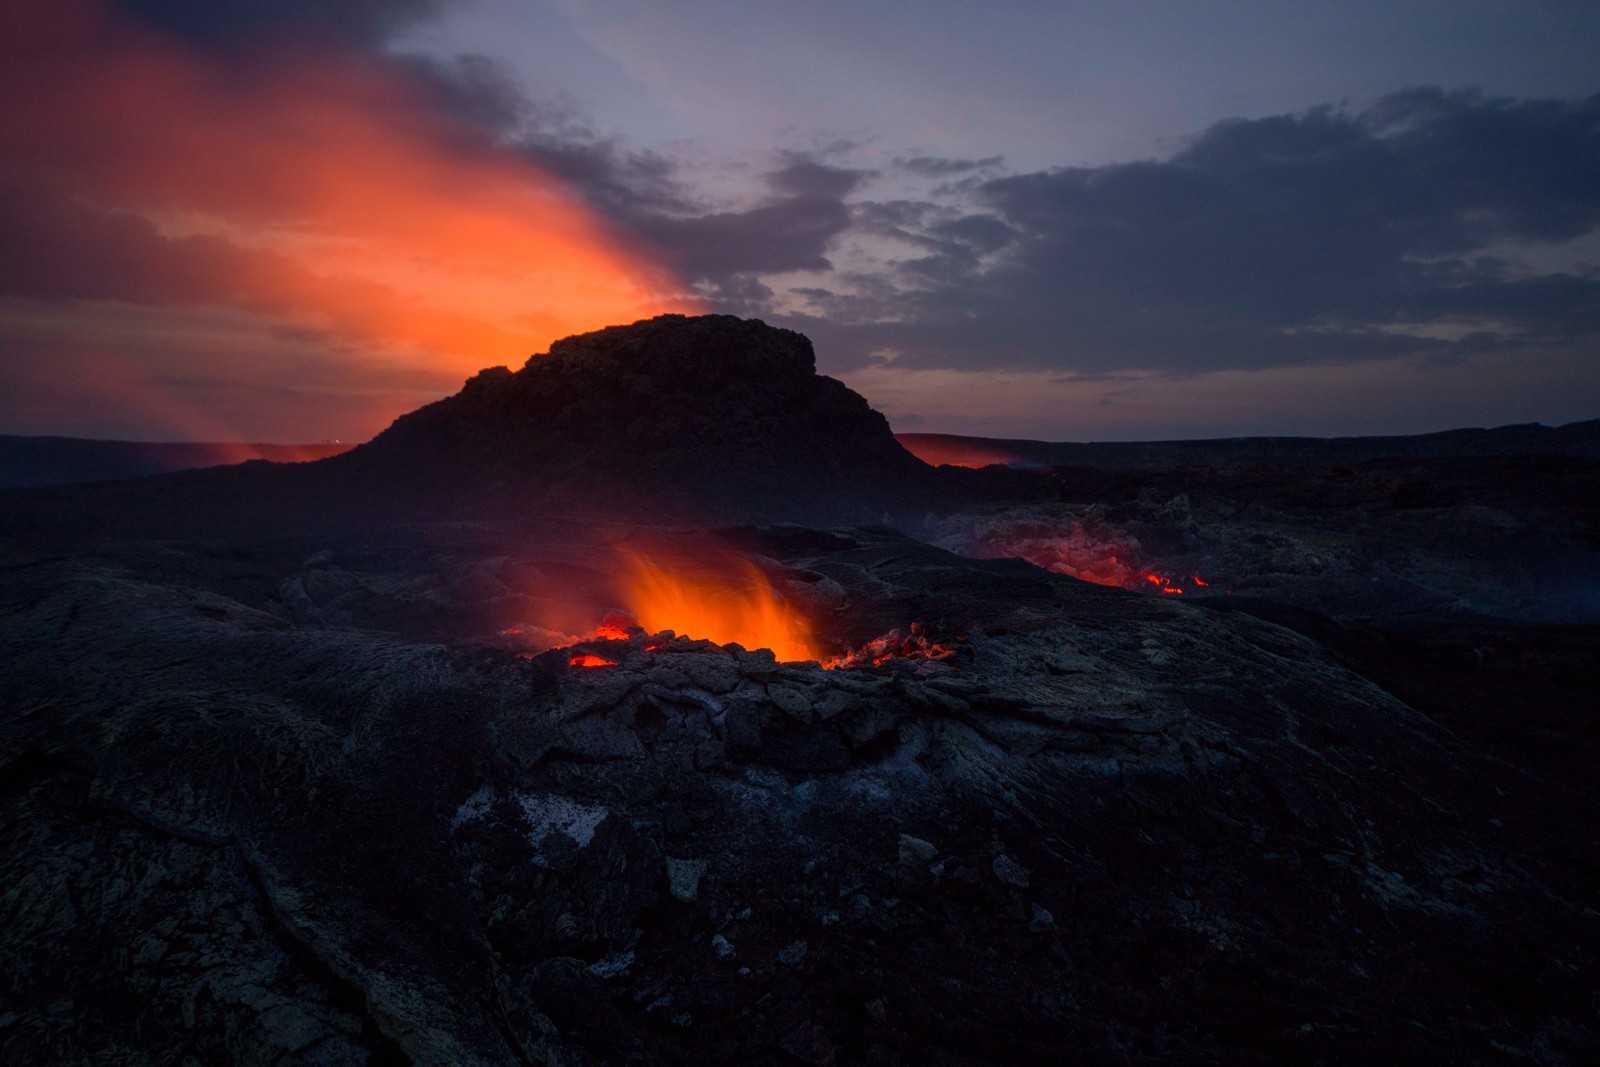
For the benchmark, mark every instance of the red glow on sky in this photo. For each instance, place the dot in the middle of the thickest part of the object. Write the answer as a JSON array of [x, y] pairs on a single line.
[[320, 191], [939, 450]]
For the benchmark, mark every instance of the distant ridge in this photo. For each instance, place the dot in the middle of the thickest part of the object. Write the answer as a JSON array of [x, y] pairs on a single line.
[[35, 461], [1574, 439], [675, 418], [27, 462]]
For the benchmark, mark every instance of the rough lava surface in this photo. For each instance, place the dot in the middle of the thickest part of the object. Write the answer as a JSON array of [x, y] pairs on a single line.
[[276, 786], [1113, 827]]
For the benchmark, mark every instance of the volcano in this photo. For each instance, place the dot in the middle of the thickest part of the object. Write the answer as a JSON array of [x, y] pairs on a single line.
[[595, 715]]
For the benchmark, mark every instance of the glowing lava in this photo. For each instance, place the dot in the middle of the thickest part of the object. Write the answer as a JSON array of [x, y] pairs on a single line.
[[735, 604], [893, 645], [1084, 553], [1163, 584], [726, 599], [615, 627]]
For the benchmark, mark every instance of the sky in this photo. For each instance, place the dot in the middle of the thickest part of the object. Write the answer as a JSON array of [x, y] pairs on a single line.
[[293, 220]]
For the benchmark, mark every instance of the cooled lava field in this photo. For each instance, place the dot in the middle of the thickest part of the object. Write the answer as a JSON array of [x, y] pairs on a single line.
[[653, 704]]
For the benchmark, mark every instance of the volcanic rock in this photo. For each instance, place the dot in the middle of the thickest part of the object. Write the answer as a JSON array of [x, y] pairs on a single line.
[[915, 852], [719, 414], [683, 879], [235, 835], [672, 419], [1580, 439], [322, 799]]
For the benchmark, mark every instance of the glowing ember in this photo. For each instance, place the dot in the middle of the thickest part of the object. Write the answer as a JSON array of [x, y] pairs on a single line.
[[728, 600], [1163, 584], [1076, 551], [735, 605], [1085, 554], [893, 645], [616, 627]]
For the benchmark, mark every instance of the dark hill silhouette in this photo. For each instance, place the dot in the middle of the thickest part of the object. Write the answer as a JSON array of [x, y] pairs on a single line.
[[712, 411], [674, 418]]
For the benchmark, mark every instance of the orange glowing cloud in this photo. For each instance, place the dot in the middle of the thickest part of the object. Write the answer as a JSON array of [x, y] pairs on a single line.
[[316, 187]]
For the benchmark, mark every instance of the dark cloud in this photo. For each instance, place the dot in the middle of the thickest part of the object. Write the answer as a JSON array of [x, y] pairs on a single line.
[[475, 89], [788, 234], [639, 190], [791, 231], [979, 233], [249, 22], [739, 294], [802, 177], [54, 248], [478, 91], [643, 192], [1322, 236], [939, 167]]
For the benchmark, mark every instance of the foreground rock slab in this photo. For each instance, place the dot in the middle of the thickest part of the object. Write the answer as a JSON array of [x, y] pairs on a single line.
[[241, 825]]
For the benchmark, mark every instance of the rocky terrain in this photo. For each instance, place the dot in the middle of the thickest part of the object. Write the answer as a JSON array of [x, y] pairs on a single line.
[[285, 780], [1513, 538], [1113, 825], [1580, 439]]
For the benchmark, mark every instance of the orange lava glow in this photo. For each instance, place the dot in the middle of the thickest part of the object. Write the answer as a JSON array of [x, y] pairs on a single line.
[[891, 646], [615, 627], [940, 450], [732, 604], [589, 660], [1085, 554], [329, 194]]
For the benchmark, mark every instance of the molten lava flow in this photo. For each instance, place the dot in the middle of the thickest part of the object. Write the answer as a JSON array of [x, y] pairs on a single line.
[[1081, 553], [1076, 551], [739, 607], [728, 600], [1163, 584], [616, 627], [891, 646]]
